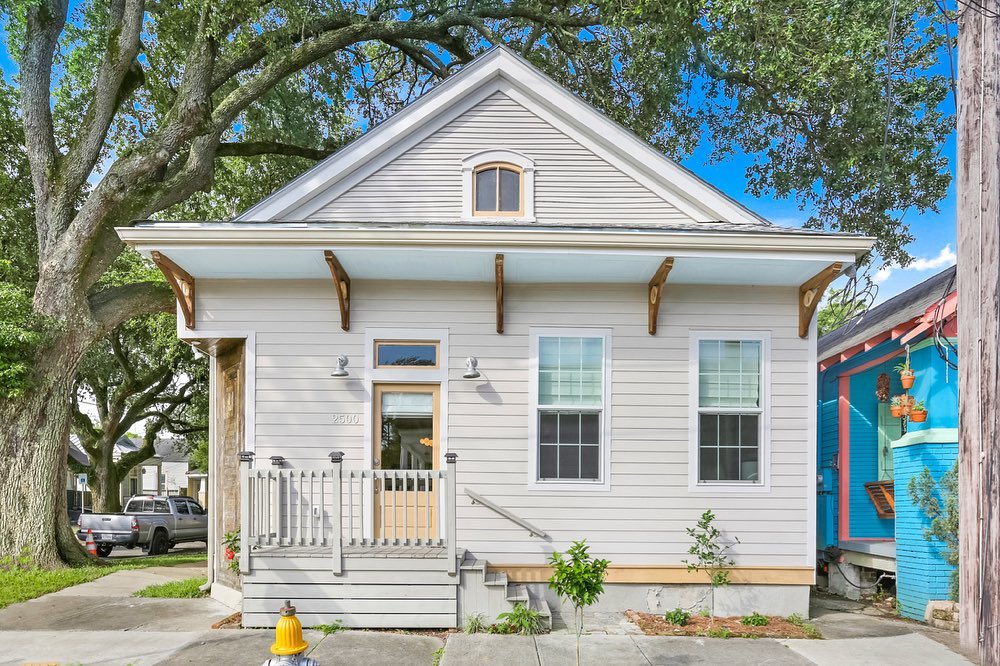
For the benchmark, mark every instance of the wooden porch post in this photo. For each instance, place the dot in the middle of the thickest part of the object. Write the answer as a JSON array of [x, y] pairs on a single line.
[[337, 553], [246, 461], [450, 459]]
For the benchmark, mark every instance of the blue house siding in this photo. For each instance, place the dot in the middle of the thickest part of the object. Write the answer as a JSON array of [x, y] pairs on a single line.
[[864, 522], [827, 497], [922, 574]]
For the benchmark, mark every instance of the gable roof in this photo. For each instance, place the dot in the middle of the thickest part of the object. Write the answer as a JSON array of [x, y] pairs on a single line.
[[500, 69], [894, 313]]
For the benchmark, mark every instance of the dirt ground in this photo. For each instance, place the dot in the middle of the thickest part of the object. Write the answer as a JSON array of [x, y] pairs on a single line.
[[720, 627]]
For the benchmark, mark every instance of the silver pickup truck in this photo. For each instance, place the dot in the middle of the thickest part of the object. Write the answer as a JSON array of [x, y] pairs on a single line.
[[154, 522]]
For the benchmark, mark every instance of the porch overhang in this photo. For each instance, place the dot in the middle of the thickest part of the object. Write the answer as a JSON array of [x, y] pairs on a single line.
[[698, 254], [535, 254]]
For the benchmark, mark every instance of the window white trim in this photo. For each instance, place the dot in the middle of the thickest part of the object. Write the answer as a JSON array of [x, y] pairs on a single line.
[[694, 482], [521, 161], [603, 483]]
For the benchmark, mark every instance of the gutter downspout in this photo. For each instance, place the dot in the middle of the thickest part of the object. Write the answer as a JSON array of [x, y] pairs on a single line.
[[210, 480]]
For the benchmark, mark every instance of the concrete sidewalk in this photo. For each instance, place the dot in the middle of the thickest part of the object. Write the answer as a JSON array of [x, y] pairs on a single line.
[[101, 623]]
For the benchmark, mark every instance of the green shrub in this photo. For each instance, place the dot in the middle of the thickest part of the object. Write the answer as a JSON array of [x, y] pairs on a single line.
[[522, 620], [475, 623], [711, 555], [796, 619], [500, 628], [677, 617], [580, 579], [755, 619], [719, 632]]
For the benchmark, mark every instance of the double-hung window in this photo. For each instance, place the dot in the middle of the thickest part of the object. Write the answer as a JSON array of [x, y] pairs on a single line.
[[570, 390], [729, 410]]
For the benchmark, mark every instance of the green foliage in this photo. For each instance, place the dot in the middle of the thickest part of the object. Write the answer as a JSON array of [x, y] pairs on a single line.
[[705, 612], [579, 578], [438, 656], [20, 580], [328, 629], [807, 89], [918, 407], [177, 589], [475, 623], [896, 401], [903, 367], [710, 553], [928, 494], [522, 620], [835, 312], [231, 549], [22, 333], [500, 628], [796, 619], [677, 617], [718, 632], [811, 631], [755, 619]]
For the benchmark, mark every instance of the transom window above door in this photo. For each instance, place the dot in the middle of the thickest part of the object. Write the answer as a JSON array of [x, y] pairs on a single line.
[[406, 354], [498, 190]]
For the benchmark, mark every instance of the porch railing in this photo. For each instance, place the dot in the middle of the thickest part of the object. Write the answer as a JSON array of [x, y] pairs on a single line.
[[332, 507]]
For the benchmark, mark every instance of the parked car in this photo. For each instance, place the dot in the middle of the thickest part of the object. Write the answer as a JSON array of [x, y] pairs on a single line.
[[157, 523]]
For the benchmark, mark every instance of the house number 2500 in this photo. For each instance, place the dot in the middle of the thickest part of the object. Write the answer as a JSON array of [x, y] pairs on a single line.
[[346, 418]]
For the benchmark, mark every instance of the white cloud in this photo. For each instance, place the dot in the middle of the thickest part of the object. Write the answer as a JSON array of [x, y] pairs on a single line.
[[946, 257]]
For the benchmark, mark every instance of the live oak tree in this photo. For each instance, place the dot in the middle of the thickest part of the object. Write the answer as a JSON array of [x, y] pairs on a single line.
[[138, 376], [131, 109]]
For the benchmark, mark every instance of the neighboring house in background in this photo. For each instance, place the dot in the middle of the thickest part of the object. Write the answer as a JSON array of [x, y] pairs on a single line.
[[867, 522], [174, 467], [538, 330], [143, 479]]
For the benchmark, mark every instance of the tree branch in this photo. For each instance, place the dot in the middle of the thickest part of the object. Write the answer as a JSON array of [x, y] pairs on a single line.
[[114, 305], [257, 148]]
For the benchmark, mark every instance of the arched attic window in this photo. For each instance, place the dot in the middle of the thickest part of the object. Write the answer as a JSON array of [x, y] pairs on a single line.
[[498, 184]]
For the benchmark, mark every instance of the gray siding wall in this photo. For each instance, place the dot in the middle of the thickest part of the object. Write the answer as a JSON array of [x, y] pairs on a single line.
[[572, 184], [643, 517]]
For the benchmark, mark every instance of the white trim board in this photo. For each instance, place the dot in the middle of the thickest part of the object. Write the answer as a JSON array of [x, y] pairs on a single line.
[[501, 69]]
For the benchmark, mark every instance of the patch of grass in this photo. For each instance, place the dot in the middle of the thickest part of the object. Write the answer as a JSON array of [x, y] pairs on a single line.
[[811, 631], [328, 629], [796, 619], [22, 581], [438, 656], [177, 589], [719, 632], [522, 620]]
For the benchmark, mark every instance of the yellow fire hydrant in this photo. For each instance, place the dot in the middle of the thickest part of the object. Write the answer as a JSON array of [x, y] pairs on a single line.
[[288, 642]]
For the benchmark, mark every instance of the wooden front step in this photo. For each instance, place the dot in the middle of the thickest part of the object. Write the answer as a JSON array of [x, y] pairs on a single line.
[[409, 590]]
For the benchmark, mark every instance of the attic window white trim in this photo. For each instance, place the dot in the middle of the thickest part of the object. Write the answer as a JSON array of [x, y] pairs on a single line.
[[527, 167]]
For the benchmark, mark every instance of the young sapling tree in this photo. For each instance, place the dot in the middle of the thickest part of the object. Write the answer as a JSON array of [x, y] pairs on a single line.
[[578, 578], [710, 553]]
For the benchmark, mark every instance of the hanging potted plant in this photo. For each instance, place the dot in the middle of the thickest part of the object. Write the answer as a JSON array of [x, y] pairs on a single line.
[[896, 406], [918, 413], [905, 374]]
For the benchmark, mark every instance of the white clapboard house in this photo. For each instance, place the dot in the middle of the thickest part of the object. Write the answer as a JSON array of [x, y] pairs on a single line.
[[495, 324]]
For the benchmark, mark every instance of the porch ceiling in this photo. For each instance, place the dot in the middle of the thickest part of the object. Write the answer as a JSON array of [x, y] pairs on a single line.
[[478, 265]]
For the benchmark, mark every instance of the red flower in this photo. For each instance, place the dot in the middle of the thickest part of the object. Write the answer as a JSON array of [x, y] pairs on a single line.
[[230, 553]]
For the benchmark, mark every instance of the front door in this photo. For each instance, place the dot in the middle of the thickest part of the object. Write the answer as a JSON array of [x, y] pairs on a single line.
[[407, 438]]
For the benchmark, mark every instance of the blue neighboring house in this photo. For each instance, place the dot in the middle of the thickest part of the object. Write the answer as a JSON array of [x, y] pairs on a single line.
[[868, 529]]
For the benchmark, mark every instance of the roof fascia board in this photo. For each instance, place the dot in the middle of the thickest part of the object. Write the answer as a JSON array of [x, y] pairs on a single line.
[[837, 248]]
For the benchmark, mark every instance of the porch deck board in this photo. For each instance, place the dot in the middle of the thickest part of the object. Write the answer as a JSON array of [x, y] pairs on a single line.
[[356, 551]]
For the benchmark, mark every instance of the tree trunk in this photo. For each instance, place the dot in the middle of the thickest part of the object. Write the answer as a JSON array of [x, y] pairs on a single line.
[[105, 486], [979, 330], [34, 442]]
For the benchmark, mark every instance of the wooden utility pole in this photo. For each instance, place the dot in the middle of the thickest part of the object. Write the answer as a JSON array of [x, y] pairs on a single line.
[[978, 332]]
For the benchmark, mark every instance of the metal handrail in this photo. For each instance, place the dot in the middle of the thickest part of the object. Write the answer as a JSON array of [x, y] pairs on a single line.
[[479, 499]]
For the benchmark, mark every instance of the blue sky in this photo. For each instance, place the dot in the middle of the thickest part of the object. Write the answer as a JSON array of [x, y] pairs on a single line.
[[933, 248]]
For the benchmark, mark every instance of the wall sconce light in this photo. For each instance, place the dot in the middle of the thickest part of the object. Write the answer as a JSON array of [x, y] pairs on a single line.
[[471, 368], [277, 461], [341, 369]]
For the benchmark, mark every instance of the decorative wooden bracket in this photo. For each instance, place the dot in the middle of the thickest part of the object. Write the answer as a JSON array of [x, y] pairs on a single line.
[[343, 283], [499, 280], [811, 293], [656, 292], [181, 283]]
